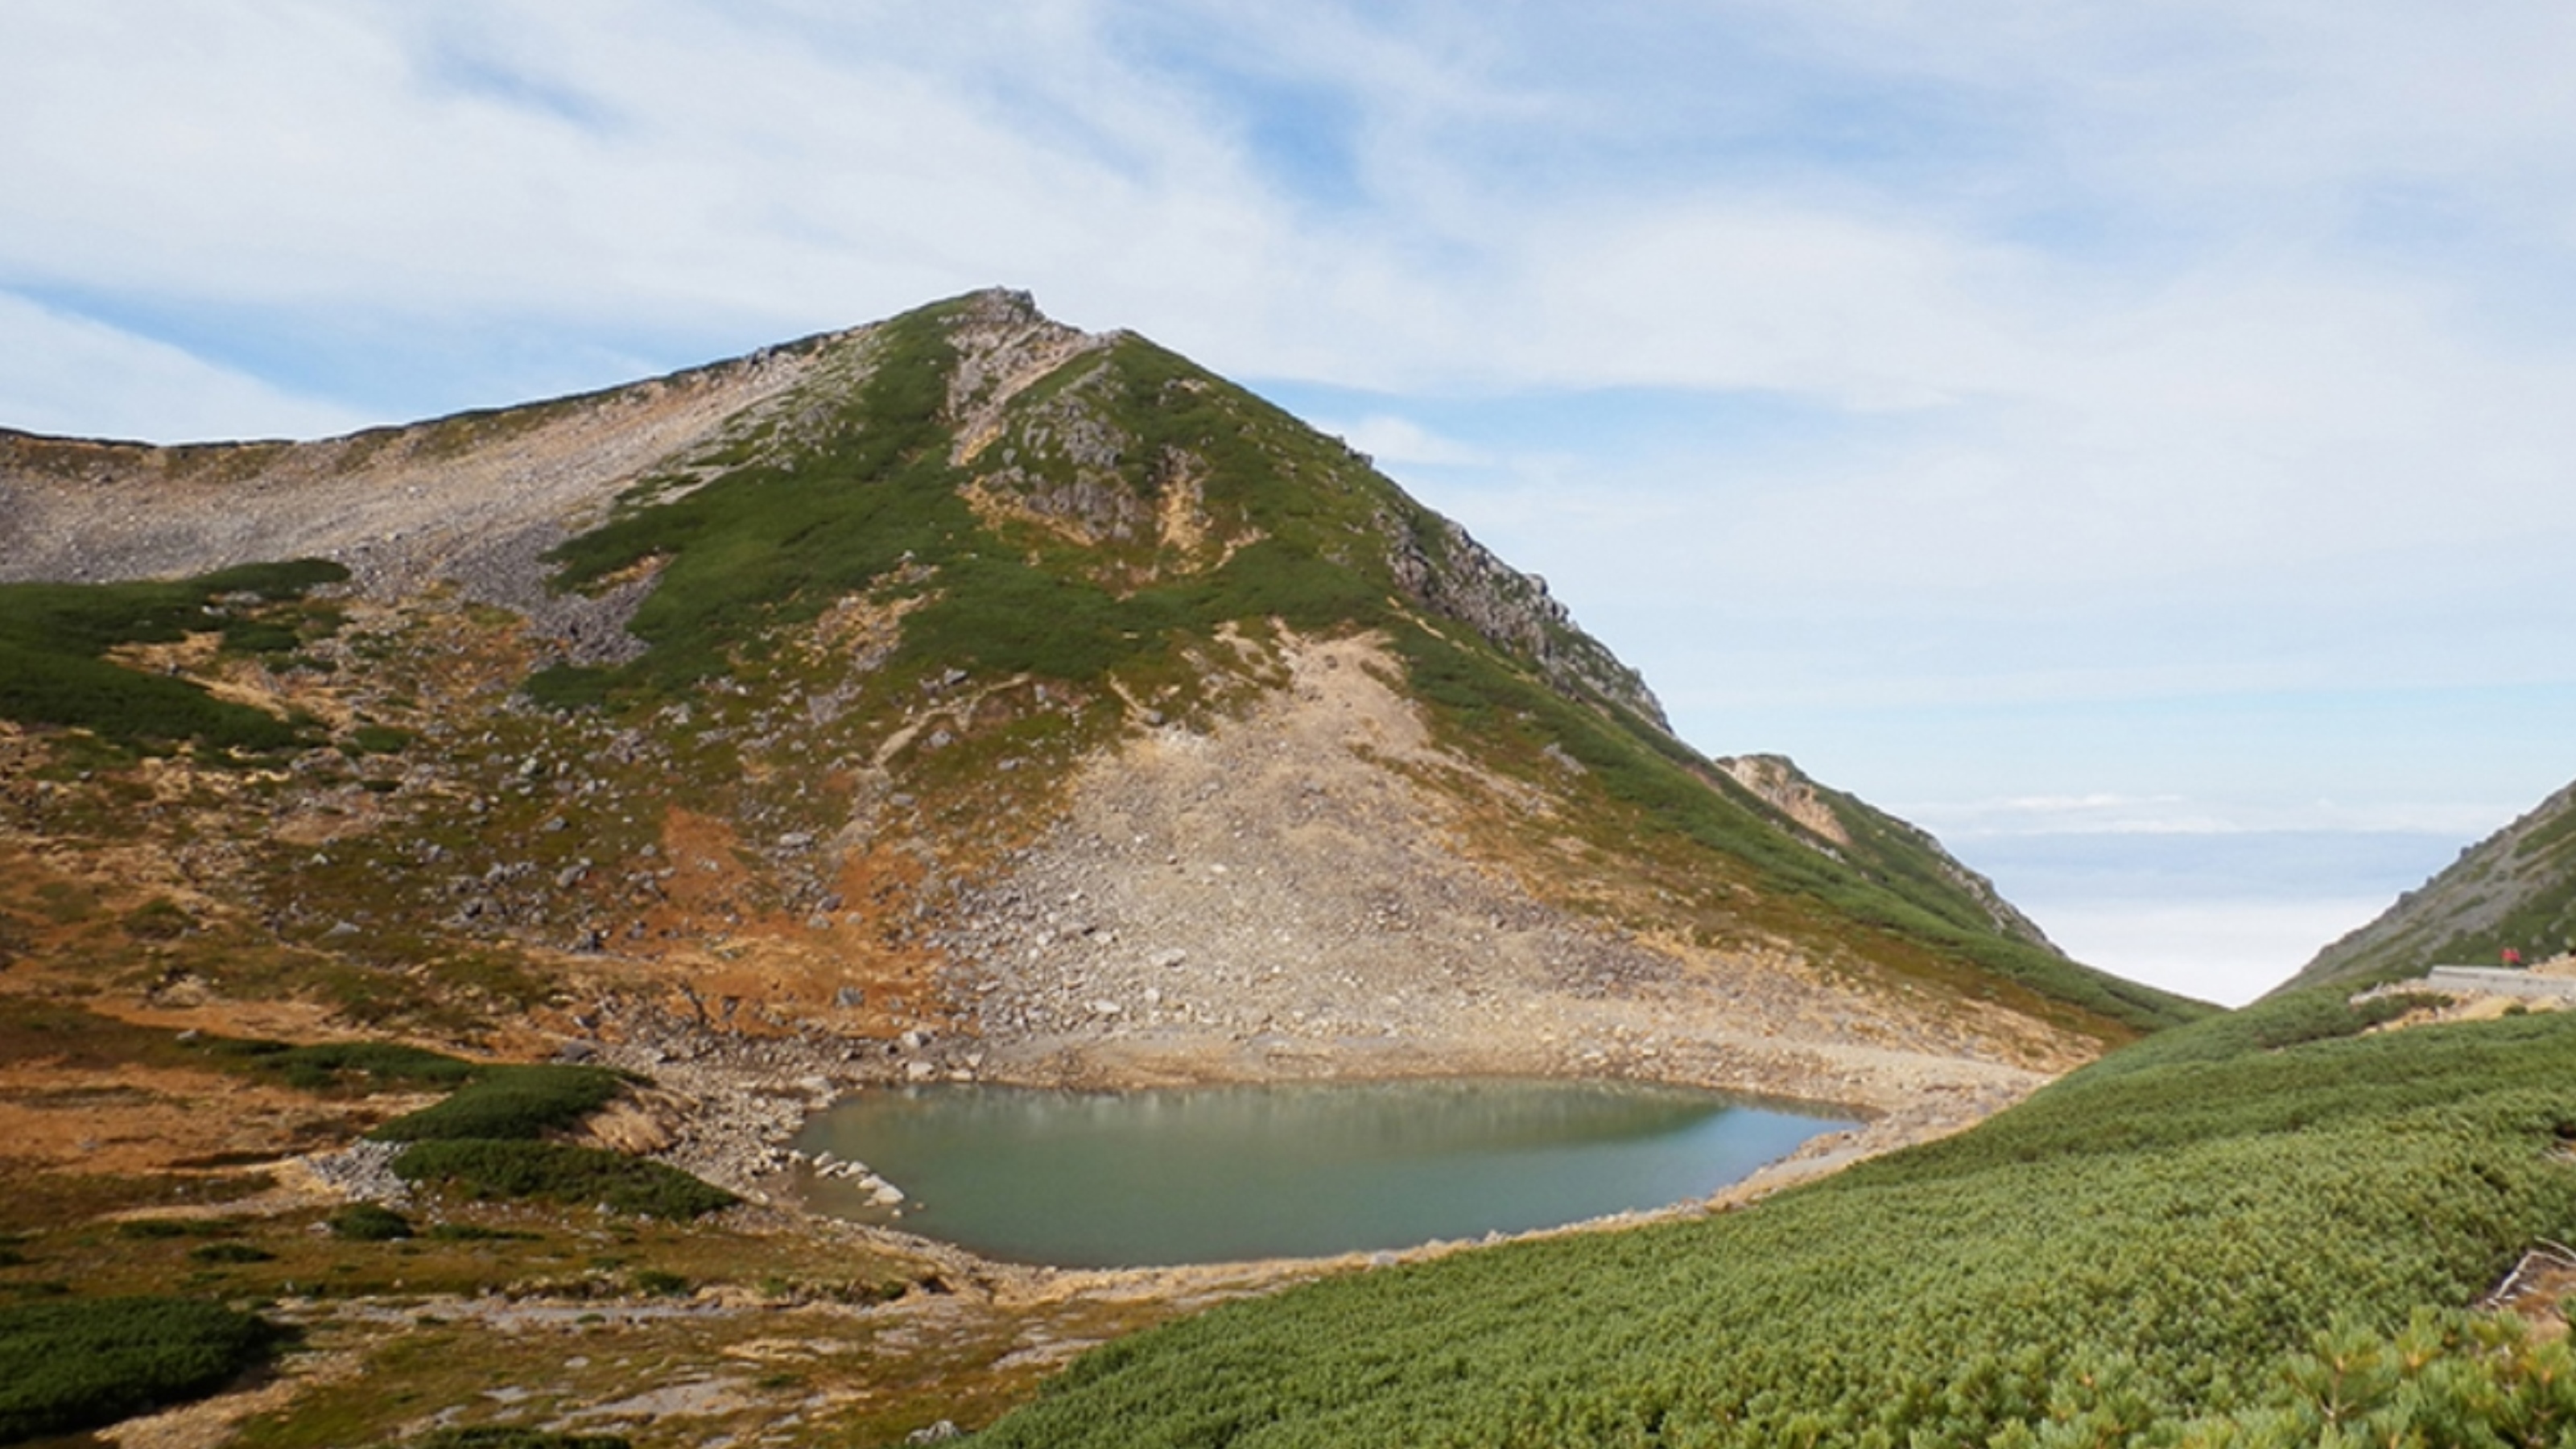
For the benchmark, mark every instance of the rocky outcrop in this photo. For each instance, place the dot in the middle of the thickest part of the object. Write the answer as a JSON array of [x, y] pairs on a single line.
[[1004, 345], [1455, 577], [1779, 783]]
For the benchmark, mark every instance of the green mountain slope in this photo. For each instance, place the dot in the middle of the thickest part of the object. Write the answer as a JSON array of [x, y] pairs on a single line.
[[2144, 1253], [2515, 889]]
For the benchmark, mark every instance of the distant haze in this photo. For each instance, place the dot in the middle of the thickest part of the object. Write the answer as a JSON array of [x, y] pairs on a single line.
[[2223, 917]]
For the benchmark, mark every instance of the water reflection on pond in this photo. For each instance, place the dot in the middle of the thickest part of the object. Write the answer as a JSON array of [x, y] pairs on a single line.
[[1217, 1174]]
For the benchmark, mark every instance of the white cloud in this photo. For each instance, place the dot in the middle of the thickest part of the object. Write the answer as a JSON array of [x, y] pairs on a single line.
[[386, 157], [821, 166], [2228, 952], [1395, 440], [2184, 818], [68, 375]]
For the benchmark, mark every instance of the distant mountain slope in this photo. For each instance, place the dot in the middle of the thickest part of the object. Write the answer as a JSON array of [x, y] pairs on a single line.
[[1000, 698], [2515, 889]]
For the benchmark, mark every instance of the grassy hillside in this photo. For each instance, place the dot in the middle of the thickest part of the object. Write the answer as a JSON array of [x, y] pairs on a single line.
[[2516, 888], [55, 642], [2146, 1253]]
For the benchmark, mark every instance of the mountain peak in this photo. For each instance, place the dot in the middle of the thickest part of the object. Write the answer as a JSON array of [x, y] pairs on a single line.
[[993, 696]]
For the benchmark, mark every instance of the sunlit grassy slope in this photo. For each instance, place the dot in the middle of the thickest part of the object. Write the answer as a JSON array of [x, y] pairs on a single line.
[[55, 638], [2149, 1247]]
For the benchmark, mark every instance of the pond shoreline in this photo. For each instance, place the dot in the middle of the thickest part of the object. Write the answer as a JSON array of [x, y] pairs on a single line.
[[1228, 1172], [729, 1108]]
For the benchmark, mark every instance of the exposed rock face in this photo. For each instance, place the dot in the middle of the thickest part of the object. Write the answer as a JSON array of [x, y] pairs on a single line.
[[1458, 578], [1780, 784], [1842, 826], [1004, 344], [1092, 503]]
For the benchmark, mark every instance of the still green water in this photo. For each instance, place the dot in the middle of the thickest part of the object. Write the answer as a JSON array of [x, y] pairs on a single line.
[[1207, 1175]]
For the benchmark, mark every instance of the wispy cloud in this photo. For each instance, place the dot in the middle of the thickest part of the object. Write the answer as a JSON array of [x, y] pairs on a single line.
[[67, 374], [1395, 440], [2057, 818]]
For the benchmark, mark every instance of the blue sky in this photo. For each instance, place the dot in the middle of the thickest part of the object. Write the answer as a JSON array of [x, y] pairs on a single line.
[[2130, 440]]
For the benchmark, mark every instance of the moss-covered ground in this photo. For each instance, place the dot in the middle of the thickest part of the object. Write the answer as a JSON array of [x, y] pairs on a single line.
[[531, 1315], [478, 1302]]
